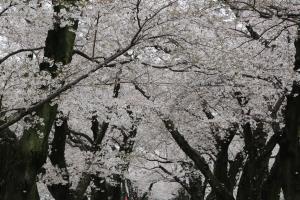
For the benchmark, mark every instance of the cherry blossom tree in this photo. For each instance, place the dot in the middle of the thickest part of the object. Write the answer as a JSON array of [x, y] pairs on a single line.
[[106, 99]]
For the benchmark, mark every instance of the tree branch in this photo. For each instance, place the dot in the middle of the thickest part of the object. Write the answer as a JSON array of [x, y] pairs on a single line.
[[194, 155], [176, 178], [18, 51], [11, 4], [68, 86], [82, 135]]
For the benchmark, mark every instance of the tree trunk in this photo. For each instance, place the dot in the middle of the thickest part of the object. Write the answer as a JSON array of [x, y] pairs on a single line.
[[196, 189], [27, 156], [221, 163], [256, 168], [289, 147], [199, 161], [99, 191], [60, 191], [272, 185]]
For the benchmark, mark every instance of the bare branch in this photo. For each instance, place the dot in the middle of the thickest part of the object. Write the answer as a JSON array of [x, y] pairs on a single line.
[[82, 135], [138, 2], [18, 51], [8, 7], [138, 88], [176, 178], [95, 35]]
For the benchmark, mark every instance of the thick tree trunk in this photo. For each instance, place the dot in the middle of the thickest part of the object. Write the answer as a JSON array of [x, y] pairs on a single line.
[[290, 147], [8, 149], [221, 163], [27, 156], [256, 168], [31, 151]]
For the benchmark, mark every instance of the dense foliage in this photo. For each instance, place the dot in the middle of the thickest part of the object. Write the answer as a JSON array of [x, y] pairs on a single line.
[[136, 99]]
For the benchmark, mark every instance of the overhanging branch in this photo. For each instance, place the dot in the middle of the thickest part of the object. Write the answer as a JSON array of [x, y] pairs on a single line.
[[66, 87], [192, 153], [19, 51]]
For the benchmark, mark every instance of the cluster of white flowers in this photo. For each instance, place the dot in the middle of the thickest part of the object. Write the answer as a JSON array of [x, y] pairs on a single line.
[[188, 53]]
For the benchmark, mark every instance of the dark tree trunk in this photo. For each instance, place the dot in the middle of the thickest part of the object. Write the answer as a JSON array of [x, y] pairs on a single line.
[[199, 161], [272, 185], [60, 191], [196, 188], [27, 156], [256, 167], [289, 147], [8, 151], [221, 163], [234, 168], [99, 191]]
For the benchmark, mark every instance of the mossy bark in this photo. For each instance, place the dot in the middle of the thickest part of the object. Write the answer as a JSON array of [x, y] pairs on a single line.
[[23, 158], [60, 43], [60, 40]]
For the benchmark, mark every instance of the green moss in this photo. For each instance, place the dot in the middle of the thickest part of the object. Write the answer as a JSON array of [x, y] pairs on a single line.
[[34, 142], [60, 40], [22, 159], [60, 43]]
